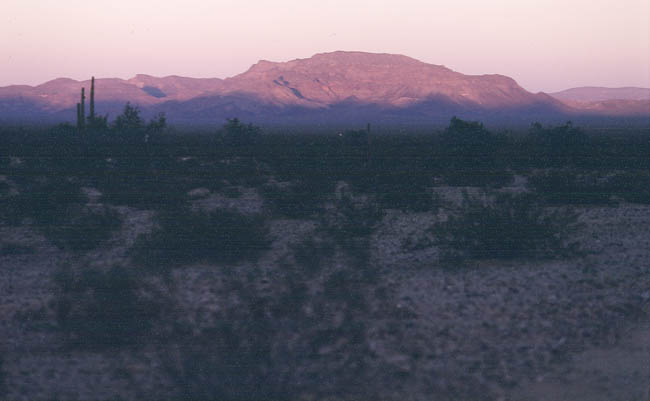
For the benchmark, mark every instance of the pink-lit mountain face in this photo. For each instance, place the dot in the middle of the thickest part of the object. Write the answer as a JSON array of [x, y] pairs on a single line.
[[346, 85], [144, 90], [382, 79]]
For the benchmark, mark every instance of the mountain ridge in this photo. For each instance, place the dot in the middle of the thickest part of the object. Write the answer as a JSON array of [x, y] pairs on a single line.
[[381, 86], [601, 93]]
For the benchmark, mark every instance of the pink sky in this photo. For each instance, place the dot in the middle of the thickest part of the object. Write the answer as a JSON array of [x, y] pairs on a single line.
[[546, 45]]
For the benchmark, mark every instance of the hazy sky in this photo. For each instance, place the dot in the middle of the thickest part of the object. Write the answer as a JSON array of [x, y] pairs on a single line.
[[545, 45]]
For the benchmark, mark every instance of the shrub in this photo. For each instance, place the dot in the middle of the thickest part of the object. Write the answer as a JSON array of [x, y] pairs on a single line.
[[350, 223], [146, 182], [570, 187], [85, 230], [145, 194], [3, 376], [47, 202], [99, 309], [305, 333], [312, 251], [299, 199], [352, 217], [633, 186], [131, 127], [558, 146], [280, 345], [480, 177], [244, 171], [233, 359], [240, 135], [5, 188], [186, 236], [510, 226], [403, 190], [56, 207], [471, 155], [13, 248]]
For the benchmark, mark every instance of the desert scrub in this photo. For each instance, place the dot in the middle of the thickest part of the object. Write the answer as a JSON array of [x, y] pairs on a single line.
[[352, 217], [350, 222], [298, 199], [633, 186], [302, 334], [83, 230], [233, 359], [186, 236], [472, 155], [404, 190], [571, 187], [504, 226], [481, 177], [46, 201], [56, 208], [5, 189], [13, 248], [99, 309], [3, 375], [145, 187]]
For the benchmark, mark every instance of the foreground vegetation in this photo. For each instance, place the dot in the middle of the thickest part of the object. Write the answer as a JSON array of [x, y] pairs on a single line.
[[300, 325]]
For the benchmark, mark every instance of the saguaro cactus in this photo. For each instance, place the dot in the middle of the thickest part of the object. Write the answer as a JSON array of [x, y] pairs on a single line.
[[83, 110], [368, 154], [92, 99], [79, 116]]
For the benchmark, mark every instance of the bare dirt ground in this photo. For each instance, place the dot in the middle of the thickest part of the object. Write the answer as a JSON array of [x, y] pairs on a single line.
[[620, 372], [573, 329]]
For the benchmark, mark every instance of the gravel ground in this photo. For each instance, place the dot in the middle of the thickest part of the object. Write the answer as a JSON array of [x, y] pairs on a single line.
[[495, 330]]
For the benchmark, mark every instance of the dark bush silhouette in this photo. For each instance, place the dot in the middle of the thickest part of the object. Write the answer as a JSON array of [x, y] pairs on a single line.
[[3, 375], [13, 248], [278, 345], [298, 199], [234, 359], [470, 152], [467, 137], [84, 230], [571, 187], [149, 183], [510, 226], [130, 121], [56, 208], [97, 309], [350, 224], [131, 127], [185, 236], [240, 135], [97, 125], [559, 146], [47, 201], [402, 188], [633, 186]]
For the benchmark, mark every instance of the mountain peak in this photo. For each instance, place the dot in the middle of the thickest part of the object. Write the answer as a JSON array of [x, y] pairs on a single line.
[[350, 57], [331, 84], [372, 78], [343, 59]]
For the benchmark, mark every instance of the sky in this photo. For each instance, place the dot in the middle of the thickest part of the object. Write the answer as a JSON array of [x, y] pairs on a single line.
[[545, 45]]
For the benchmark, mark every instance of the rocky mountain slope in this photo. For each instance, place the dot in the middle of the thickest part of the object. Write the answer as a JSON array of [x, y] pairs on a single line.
[[338, 86]]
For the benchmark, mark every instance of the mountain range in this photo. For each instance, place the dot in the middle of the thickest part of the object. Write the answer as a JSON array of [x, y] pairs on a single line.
[[328, 88]]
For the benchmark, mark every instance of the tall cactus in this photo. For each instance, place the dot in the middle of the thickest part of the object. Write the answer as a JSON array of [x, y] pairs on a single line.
[[92, 99], [79, 116], [83, 111], [368, 154]]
